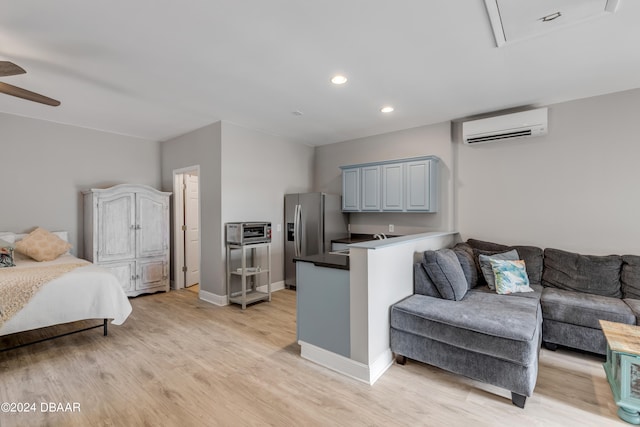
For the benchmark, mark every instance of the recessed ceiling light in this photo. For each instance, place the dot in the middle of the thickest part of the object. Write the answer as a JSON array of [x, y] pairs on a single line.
[[386, 109], [338, 80]]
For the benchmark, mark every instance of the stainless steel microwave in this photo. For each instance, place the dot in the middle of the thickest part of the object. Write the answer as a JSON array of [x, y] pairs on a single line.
[[248, 233]]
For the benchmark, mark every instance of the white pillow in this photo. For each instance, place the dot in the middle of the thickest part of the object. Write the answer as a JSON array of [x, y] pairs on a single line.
[[8, 236]]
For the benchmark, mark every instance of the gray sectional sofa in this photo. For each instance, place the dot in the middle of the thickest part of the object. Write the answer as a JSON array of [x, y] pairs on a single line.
[[456, 322]]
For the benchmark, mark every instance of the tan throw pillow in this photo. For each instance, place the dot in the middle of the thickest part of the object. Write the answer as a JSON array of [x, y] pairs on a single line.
[[42, 245]]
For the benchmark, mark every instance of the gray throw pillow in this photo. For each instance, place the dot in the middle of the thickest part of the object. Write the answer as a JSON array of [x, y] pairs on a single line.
[[444, 270], [485, 265], [422, 284], [464, 252]]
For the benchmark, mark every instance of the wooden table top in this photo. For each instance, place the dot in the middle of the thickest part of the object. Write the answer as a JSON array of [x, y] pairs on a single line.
[[621, 337]]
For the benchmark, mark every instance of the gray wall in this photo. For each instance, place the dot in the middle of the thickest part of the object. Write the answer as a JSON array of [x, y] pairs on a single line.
[[244, 175], [258, 169], [574, 189], [420, 141], [201, 147], [46, 165]]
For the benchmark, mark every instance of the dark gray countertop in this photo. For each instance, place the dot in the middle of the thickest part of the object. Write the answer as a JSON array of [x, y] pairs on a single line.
[[354, 238], [326, 260], [357, 238]]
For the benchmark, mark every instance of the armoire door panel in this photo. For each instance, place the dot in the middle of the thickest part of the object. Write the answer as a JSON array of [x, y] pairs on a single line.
[[152, 273], [116, 219], [151, 226]]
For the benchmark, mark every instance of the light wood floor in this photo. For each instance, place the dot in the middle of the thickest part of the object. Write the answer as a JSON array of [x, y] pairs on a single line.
[[178, 361]]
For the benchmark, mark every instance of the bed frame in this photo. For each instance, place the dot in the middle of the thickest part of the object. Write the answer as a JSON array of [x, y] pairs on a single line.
[[103, 325]]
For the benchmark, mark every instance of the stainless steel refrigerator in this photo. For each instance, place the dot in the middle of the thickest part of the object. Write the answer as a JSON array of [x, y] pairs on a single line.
[[312, 220]]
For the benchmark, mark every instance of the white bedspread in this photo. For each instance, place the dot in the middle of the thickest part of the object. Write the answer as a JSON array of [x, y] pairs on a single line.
[[89, 292]]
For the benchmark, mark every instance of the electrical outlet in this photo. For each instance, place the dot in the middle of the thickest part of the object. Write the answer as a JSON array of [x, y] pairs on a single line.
[[279, 228], [391, 228]]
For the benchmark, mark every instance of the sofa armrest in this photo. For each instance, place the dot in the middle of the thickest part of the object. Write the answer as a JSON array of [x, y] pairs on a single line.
[[634, 305]]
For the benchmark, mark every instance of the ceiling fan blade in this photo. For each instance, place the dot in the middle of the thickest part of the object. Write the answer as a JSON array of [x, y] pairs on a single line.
[[25, 94], [10, 69]]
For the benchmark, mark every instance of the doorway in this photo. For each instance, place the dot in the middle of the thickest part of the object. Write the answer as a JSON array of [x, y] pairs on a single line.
[[186, 213]]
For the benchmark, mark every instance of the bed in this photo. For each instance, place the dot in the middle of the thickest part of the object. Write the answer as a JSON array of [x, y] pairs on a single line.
[[85, 292]]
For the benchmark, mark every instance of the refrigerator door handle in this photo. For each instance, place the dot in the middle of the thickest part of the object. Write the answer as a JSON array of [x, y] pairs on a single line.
[[295, 231], [298, 231]]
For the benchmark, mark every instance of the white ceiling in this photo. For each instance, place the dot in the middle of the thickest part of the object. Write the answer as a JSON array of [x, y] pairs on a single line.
[[156, 69]]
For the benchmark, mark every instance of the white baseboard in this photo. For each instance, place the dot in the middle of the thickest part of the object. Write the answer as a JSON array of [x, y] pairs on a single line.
[[221, 300], [343, 365], [275, 286], [380, 365], [210, 297]]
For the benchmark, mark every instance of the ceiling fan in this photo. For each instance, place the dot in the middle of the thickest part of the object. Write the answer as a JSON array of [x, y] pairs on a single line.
[[10, 69]]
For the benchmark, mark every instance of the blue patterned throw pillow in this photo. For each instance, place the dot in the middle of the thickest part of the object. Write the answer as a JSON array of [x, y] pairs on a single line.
[[6, 254], [511, 276]]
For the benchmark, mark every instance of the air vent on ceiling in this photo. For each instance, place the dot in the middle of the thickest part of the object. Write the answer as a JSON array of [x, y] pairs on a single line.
[[517, 20]]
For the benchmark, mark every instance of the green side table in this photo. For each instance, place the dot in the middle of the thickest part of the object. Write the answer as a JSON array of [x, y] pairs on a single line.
[[623, 367]]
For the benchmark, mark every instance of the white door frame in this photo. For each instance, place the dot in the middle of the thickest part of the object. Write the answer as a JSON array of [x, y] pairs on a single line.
[[178, 221]]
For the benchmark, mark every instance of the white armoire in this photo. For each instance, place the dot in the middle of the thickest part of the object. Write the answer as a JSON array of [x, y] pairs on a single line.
[[126, 229]]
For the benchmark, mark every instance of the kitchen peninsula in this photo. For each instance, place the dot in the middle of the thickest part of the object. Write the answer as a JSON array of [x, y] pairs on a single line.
[[322, 301], [343, 301]]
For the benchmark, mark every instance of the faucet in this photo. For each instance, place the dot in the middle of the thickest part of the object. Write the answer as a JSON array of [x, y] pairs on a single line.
[[379, 236]]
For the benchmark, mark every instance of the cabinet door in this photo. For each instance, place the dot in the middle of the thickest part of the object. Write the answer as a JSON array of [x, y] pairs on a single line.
[[152, 225], [351, 189], [370, 188], [152, 273], [419, 186], [392, 186], [125, 272], [115, 228]]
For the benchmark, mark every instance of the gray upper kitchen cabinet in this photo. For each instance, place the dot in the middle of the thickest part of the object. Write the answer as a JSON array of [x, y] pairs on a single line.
[[392, 186], [420, 186], [370, 188], [351, 190], [404, 185]]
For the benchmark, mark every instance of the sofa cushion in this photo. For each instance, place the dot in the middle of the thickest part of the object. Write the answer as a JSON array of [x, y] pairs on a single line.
[[536, 294], [531, 255], [598, 275], [422, 284], [445, 272], [464, 252], [498, 325], [583, 309], [630, 276], [487, 270]]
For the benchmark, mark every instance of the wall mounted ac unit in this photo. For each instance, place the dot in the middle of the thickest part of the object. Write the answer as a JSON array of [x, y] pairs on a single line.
[[507, 126]]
